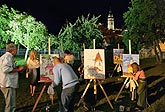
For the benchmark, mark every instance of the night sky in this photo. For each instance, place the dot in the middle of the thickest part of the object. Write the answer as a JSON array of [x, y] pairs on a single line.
[[54, 13]]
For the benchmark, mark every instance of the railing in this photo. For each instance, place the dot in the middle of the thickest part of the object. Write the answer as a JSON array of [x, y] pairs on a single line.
[[21, 52]]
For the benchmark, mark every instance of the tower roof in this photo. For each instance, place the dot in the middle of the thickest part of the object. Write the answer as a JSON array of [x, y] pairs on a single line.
[[110, 14]]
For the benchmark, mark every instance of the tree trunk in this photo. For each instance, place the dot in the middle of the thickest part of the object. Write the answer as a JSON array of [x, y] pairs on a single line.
[[156, 53], [26, 54], [18, 49], [160, 54]]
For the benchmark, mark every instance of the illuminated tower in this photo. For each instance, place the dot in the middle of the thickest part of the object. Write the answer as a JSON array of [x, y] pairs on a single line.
[[110, 21]]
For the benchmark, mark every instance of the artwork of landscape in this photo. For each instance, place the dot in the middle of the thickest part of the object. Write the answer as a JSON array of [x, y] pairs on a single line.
[[128, 59]]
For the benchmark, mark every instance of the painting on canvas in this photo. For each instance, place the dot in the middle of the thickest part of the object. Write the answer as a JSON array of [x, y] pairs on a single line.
[[94, 64], [46, 66], [118, 56], [128, 59]]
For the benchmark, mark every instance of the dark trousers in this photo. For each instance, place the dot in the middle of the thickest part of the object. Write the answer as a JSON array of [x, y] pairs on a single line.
[[142, 93], [68, 98]]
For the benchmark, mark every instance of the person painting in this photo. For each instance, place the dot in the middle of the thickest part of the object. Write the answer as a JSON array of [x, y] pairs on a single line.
[[139, 75], [64, 73], [9, 77], [33, 69]]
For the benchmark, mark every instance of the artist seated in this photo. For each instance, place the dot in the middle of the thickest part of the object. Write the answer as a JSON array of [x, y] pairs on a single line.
[[139, 75]]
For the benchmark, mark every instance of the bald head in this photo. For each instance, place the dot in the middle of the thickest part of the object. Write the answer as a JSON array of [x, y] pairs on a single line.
[[57, 60]]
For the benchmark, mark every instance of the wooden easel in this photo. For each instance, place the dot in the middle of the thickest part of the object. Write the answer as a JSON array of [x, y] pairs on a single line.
[[117, 65], [95, 81], [126, 80], [132, 90], [95, 91], [45, 83]]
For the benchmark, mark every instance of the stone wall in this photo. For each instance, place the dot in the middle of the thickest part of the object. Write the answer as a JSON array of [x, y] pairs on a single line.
[[146, 52]]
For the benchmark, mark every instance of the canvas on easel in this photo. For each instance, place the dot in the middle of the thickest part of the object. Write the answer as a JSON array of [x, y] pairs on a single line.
[[94, 69], [117, 59], [128, 59], [46, 66], [94, 64], [118, 56]]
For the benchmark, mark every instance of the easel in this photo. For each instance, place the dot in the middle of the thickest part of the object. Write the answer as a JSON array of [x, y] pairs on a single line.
[[45, 82], [131, 89], [117, 65], [126, 80], [95, 81]]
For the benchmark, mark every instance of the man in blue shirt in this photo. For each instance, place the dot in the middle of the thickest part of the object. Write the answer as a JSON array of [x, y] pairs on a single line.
[[70, 84]]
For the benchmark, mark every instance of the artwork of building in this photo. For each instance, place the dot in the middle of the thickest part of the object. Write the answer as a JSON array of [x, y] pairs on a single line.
[[118, 56], [94, 64]]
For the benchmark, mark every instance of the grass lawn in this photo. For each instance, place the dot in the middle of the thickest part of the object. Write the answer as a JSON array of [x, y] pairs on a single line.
[[156, 92]]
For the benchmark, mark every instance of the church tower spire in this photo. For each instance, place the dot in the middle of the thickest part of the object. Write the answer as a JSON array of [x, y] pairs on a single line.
[[110, 20]]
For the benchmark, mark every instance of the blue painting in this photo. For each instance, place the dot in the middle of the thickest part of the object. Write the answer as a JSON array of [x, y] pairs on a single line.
[[128, 59]]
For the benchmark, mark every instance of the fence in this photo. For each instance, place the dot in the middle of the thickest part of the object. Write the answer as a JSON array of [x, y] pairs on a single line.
[[21, 52]]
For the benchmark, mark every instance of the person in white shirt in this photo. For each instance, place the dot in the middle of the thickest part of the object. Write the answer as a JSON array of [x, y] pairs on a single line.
[[33, 69], [68, 58], [9, 77]]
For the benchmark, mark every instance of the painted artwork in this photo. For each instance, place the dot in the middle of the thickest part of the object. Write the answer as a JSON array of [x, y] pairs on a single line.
[[128, 59], [94, 64], [118, 56], [46, 66]]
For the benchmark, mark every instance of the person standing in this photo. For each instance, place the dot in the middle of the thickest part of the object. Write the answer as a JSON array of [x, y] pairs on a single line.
[[33, 70], [9, 77], [69, 58], [70, 84]]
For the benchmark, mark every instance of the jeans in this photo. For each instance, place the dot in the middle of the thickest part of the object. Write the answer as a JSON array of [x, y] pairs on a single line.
[[10, 99], [68, 98]]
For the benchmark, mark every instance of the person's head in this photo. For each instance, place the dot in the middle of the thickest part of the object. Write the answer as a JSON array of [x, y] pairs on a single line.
[[12, 49], [56, 60], [67, 52], [135, 67], [61, 59], [33, 54]]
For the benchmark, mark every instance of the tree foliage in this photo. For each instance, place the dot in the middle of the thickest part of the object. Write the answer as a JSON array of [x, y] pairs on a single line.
[[23, 29], [84, 30], [6, 15], [145, 22]]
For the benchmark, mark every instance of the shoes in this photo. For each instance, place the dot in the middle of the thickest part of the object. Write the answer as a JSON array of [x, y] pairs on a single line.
[[138, 109]]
